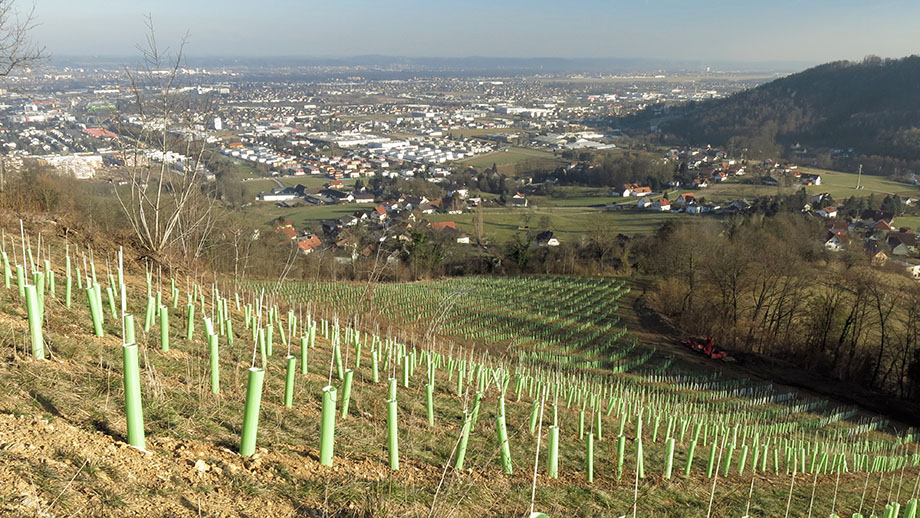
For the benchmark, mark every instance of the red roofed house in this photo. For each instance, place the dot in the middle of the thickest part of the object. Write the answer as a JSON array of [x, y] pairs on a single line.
[[450, 228], [634, 189], [664, 205], [308, 245], [441, 225], [99, 133], [288, 232], [685, 199], [828, 212], [285, 227]]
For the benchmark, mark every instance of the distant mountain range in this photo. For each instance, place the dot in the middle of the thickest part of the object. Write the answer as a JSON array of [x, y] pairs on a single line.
[[871, 106]]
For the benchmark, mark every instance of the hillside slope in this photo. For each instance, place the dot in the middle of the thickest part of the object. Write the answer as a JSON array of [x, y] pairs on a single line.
[[501, 349], [871, 106]]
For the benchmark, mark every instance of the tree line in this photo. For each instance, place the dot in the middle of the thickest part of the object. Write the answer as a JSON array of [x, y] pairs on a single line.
[[766, 285]]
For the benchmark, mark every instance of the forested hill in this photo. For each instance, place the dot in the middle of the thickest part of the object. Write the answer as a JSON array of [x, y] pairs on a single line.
[[872, 106]]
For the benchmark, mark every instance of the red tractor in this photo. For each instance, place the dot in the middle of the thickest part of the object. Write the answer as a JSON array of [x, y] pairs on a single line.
[[707, 347]]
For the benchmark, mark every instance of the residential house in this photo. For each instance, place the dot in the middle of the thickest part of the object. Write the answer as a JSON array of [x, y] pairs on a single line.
[[280, 194], [412, 202], [828, 212], [880, 258], [348, 221], [450, 228], [546, 238], [913, 269], [872, 217], [837, 242], [882, 226], [810, 179], [902, 243], [911, 266], [700, 183], [684, 200], [287, 231], [818, 199], [663, 205], [644, 203], [835, 227], [518, 200], [635, 190], [739, 205], [309, 244], [338, 196], [427, 208], [319, 199], [443, 225]]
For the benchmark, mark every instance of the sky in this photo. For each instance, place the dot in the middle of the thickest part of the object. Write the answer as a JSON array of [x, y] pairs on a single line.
[[812, 31]]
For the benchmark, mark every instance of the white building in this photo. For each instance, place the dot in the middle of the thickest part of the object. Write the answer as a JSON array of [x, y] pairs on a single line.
[[81, 166]]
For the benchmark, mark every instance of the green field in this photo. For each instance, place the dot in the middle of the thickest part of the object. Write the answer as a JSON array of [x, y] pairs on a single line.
[[500, 224], [842, 185], [574, 196], [568, 223], [911, 222], [302, 217], [838, 184], [506, 159], [244, 169]]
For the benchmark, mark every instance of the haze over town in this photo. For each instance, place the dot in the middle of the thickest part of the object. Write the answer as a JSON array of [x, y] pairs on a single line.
[[707, 31]]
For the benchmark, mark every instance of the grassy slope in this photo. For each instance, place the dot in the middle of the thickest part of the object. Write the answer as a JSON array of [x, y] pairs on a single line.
[[506, 158], [839, 185], [74, 426], [568, 223]]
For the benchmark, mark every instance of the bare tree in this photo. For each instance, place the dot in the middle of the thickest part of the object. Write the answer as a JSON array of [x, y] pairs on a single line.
[[17, 50], [241, 242], [164, 156], [478, 225]]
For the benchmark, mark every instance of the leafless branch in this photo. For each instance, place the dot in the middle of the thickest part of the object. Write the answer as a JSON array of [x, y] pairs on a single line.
[[17, 50]]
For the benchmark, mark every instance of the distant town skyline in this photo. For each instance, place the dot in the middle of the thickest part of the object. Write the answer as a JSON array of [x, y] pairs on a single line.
[[715, 30]]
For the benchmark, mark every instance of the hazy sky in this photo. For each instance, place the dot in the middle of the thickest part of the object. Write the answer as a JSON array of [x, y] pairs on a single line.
[[717, 30]]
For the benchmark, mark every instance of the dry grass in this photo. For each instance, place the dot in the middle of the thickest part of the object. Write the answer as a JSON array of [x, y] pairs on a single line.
[[79, 392]]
